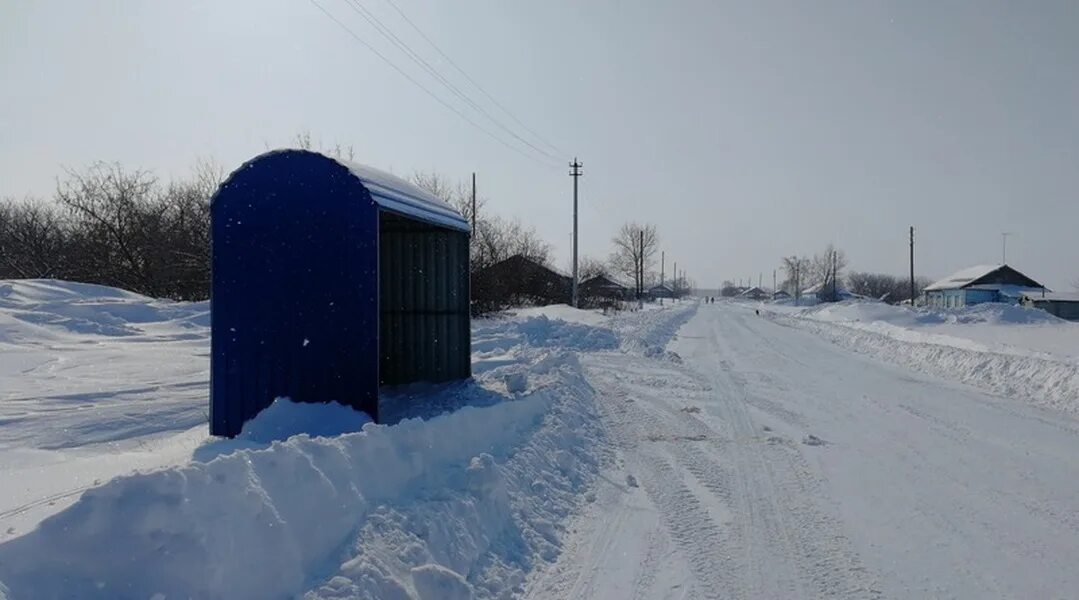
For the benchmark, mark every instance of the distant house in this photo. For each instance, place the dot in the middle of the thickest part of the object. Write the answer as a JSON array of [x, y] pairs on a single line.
[[780, 295], [518, 281], [661, 290], [605, 287], [822, 292], [982, 283], [754, 293], [1060, 304], [732, 291]]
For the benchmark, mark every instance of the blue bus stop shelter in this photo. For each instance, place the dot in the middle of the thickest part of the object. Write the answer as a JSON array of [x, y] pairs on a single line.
[[329, 280]]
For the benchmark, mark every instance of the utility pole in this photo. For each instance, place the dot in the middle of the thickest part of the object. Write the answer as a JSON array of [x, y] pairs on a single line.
[[912, 266], [773, 284], [835, 275], [1004, 247], [473, 203], [674, 282], [640, 266], [662, 266], [575, 174]]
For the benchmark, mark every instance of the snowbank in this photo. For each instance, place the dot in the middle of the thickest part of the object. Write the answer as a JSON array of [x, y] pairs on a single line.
[[457, 504], [1010, 350], [649, 331], [465, 497], [566, 313], [412, 507], [493, 335]]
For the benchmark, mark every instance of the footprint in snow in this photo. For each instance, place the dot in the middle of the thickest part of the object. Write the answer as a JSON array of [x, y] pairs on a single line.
[[631, 481], [812, 440]]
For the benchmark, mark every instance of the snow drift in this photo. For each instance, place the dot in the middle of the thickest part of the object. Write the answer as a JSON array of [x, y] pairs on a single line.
[[1009, 350]]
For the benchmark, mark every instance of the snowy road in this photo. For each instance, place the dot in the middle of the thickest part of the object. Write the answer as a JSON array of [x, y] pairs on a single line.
[[910, 486]]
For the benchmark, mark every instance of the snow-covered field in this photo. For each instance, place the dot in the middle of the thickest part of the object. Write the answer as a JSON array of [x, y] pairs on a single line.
[[692, 451]]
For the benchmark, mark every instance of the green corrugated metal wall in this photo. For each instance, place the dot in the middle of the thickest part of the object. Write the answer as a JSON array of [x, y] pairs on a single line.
[[424, 329]]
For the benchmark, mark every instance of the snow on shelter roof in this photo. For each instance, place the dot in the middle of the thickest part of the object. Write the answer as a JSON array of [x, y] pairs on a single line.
[[393, 193]]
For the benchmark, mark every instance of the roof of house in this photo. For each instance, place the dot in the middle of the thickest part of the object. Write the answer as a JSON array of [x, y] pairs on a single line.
[[660, 287], [813, 289], [968, 278], [605, 280], [519, 261], [754, 290], [393, 193], [962, 277]]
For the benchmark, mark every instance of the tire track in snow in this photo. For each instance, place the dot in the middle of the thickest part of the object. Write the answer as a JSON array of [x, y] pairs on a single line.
[[779, 489], [704, 543], [18, 510]]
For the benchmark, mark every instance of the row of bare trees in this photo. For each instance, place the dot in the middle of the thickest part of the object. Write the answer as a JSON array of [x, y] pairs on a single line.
[[827, 269], [495, 238], [117, 227]]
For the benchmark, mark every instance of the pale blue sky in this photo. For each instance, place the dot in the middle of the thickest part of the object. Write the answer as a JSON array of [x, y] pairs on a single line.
[[744, 130]]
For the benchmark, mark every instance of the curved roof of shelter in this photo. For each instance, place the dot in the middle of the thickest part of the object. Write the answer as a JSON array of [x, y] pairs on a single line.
[[390, 192]]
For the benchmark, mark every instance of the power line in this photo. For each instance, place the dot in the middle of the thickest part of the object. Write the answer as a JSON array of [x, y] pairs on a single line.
[[387, 33], [422, 87], [471, 80]]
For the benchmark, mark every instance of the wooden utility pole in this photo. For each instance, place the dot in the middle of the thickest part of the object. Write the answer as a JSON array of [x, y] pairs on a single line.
[[640, 266], [912, 266], [662, 266], [575, 174], [473, 204], [773, 284]]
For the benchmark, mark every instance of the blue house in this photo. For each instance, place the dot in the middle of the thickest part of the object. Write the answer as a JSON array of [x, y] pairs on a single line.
[[329, 280], [978, 284]]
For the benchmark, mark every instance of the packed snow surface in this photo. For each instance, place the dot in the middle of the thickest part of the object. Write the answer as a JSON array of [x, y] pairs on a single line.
[[688, 451]]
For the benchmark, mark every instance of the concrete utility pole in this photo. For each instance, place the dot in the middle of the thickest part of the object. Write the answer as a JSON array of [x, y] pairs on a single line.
[[912, 266], [575, 174], [473, 204]]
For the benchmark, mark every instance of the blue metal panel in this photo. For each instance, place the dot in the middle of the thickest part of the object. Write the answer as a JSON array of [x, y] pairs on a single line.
[[295, 289], [973, 297]]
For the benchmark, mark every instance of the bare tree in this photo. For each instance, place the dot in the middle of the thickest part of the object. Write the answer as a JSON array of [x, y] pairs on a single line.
[[588, 267], [635, 249], [826, 269], [884, 287], [874, 285], [495, 238], [34, 239], [128, 230], [304, 141], [796, 269], [828, 265]]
